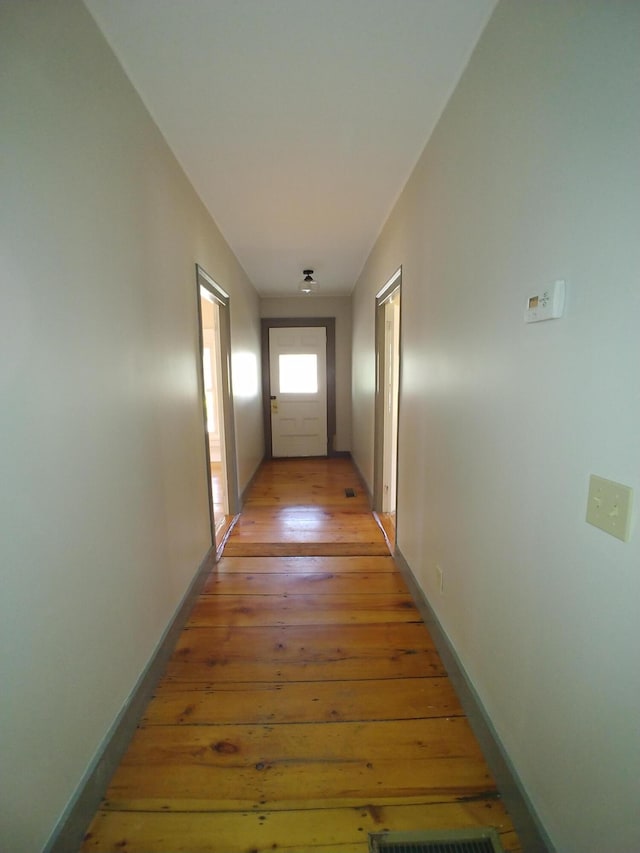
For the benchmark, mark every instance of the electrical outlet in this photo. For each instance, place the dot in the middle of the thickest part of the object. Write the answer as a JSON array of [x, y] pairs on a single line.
[[440, 579], [609, 507]]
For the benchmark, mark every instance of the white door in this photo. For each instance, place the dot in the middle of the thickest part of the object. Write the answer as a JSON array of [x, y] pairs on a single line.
[[298, 373]]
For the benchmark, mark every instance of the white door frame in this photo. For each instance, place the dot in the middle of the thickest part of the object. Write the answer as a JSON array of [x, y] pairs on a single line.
[[391, 391], [204, 280], [279, 322], [382, 297]]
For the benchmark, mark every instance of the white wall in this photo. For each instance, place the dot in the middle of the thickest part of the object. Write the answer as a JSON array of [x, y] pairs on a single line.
[[533, 174], [103, 499], [319, 306]]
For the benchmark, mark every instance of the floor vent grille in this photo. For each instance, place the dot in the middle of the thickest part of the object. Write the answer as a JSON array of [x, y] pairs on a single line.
[[483, 840]]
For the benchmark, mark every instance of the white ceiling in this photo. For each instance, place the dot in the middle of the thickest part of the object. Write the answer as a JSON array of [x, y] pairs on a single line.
[[297, 121]]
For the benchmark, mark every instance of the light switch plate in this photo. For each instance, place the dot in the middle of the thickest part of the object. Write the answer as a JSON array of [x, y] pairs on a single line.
[[609, 507]]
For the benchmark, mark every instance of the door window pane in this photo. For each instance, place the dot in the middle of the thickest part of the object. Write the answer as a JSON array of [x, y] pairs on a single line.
[[298, 373]]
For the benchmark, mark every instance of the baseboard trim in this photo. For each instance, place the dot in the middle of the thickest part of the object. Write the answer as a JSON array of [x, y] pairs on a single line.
[[247, 488], [364, 483], [525, 820], [72, 825]]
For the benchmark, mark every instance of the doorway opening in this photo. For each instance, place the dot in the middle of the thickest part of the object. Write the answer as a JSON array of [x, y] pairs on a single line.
[[298, 384], [215, 351], [387, 403]]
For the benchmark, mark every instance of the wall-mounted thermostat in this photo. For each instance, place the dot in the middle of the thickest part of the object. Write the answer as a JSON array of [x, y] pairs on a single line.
[[547, 305]]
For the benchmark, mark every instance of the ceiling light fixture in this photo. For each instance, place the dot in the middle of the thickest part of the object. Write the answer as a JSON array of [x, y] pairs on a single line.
[[308, 283]]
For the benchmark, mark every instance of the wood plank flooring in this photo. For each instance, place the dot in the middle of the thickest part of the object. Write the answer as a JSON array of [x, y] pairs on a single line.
[[305, 704]]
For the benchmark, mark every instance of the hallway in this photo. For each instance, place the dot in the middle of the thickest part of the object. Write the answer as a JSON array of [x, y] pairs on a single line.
[[305, 705]]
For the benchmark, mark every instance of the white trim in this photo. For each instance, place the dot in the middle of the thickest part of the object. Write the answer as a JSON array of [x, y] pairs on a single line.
[[210, 285], [389, 284]]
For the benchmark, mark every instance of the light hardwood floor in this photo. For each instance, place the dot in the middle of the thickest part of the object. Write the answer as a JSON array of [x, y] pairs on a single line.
[[305, 704]]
